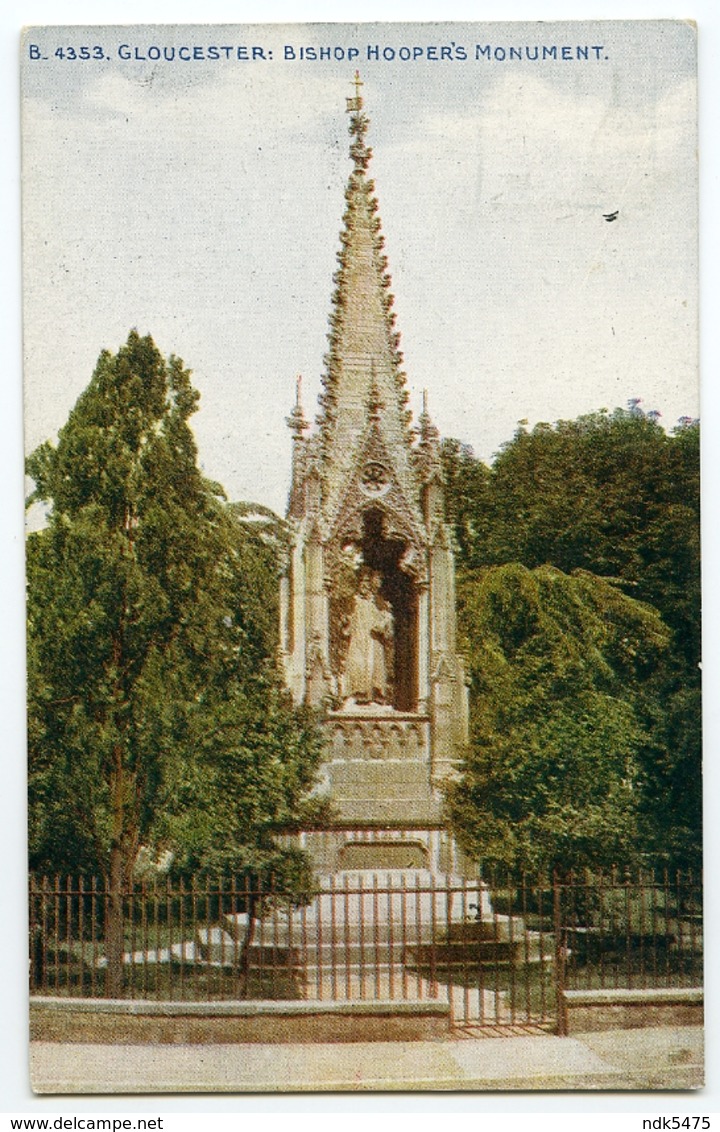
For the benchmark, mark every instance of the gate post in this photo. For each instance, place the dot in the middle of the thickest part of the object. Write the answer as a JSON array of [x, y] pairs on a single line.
[[449, 898], [560, 956]]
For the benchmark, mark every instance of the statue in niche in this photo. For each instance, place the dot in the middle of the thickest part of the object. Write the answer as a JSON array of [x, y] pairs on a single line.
[[370, 633]]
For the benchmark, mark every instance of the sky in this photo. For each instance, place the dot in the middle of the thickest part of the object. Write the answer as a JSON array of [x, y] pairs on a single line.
[[201, 202]]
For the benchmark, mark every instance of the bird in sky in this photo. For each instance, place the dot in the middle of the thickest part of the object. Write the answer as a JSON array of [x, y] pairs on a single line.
[[610, 216]]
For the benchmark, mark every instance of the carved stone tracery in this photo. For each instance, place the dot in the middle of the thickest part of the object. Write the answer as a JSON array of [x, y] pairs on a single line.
[[372, 737], [373, 487], [375, 478], [367, 503]]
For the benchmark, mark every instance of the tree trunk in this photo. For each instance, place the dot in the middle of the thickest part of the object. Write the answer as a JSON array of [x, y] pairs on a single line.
[[244, 961], [114, 930], [115, 927]]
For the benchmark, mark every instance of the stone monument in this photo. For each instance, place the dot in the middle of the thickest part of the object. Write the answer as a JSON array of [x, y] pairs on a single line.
[[368, 632]]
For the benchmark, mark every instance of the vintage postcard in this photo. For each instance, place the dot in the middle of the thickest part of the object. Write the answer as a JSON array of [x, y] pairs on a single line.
[[362, 438]]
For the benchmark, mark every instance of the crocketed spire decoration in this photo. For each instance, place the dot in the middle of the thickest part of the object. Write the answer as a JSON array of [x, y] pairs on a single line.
[[363, 343], [368, 629]]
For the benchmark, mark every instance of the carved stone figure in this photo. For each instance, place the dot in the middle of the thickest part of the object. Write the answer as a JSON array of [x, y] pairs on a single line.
[[370, 632], [368, 601]]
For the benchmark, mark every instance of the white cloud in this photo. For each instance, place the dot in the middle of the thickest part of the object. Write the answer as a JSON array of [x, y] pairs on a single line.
[[227, 106], [209, 215]]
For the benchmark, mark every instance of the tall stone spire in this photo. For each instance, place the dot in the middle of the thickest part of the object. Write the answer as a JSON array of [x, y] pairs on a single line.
[[364, 352], [368, 596]]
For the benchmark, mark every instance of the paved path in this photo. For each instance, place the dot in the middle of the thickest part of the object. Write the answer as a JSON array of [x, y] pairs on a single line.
[[662, 1058]]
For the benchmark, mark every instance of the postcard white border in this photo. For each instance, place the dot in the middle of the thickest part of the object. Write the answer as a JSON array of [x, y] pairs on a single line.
[[14, 1087]]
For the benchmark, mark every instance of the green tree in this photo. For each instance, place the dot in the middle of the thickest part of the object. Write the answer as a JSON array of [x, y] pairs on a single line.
[[560, 667], [615, 495], [611, 493], [156, 715]]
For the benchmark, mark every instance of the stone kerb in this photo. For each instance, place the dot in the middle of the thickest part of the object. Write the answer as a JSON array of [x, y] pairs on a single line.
[[117, 1021], [589, 1011]]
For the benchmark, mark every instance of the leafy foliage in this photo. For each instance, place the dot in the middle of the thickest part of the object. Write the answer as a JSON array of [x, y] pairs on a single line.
[[610, 493], [614, 496], [156, 714], [557, 728]]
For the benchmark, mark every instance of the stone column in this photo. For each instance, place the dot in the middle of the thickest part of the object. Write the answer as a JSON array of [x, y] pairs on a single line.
[[317, 648], [297, 657], [315, 590], [284, 615], [447, 712], [423, 647]]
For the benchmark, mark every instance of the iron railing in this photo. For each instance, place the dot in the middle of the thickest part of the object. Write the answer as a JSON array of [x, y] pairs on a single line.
[[500, 950]]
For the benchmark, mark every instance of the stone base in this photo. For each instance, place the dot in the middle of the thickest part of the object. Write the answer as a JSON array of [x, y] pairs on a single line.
[[378, 768], [425, 846], [591, 1011], [117, 1022]]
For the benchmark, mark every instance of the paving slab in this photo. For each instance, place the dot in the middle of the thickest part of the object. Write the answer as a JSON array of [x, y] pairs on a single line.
[[545, 1060], [58, 1068], [657, 1059], [654, 1056]]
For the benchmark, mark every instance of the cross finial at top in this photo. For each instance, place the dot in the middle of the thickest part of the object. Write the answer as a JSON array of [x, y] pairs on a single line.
[[354, 105]]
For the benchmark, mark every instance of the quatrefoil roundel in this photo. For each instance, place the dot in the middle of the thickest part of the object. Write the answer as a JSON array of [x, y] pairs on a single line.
[[375, 478]]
